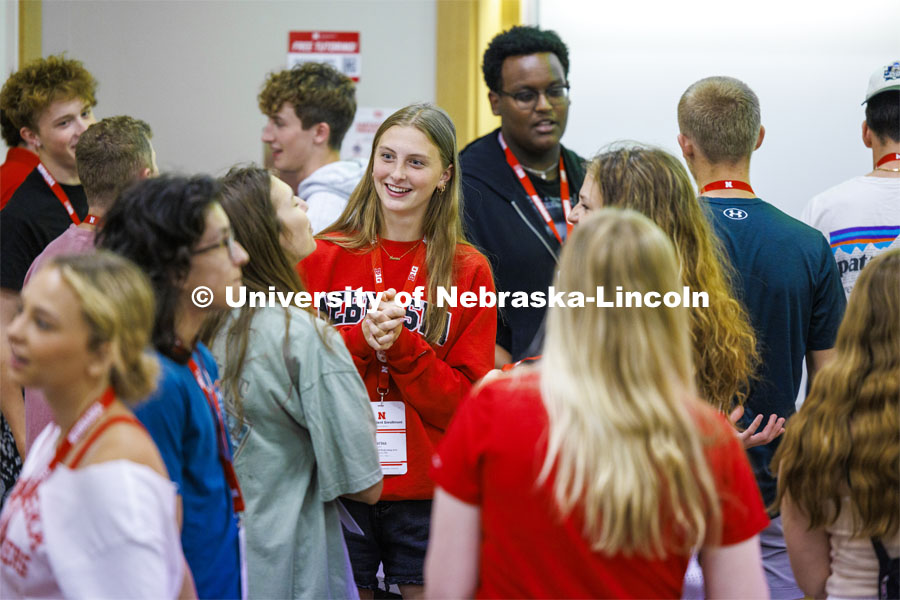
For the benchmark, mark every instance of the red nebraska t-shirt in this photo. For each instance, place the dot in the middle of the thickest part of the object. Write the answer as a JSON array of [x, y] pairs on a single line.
[[491, 456]]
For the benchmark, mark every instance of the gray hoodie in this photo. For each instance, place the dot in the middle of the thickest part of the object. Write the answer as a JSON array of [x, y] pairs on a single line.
[[327, 191]]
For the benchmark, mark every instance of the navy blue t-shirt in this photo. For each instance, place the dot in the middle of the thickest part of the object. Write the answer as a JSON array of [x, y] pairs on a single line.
[[181, 423], [790, 285]]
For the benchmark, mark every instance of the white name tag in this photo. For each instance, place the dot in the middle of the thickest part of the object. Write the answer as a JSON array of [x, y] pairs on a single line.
[[390, 419]]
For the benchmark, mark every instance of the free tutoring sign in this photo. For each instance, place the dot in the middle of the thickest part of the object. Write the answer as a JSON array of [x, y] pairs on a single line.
[[340, 49]]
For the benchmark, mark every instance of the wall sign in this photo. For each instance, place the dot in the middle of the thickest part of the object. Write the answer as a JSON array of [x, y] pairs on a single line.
[[340, 49]]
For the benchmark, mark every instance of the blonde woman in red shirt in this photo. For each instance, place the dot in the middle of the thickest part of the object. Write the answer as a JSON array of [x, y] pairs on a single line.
[[597, 473], [396, 244]]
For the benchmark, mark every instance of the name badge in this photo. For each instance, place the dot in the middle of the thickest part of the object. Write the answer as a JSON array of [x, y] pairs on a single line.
[[390, 437]]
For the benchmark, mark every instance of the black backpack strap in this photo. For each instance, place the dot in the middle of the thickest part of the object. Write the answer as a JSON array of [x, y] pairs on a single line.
[[881, 552]]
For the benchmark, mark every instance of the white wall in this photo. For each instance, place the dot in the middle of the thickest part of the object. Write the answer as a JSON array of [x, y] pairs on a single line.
[[192, 68], [809, 62]]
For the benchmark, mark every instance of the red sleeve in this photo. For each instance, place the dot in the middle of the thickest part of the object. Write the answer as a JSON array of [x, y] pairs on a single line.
[[743, 513], [435, 386], [456, 466], [357, 345], [316, 271]]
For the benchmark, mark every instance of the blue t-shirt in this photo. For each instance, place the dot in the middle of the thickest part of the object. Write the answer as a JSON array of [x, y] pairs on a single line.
[[181, 423], [790, 285]]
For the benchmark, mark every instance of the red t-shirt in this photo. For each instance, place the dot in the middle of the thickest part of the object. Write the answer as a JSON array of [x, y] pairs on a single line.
[[430, 380], [491, 456], [19, 163]]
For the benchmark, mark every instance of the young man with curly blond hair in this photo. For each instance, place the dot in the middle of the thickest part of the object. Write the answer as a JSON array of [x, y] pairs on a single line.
[[48, 103], [309, 110]]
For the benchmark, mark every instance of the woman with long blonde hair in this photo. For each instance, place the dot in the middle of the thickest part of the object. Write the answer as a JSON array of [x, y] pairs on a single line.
[[396, 246], [596, 474], [839, 463]]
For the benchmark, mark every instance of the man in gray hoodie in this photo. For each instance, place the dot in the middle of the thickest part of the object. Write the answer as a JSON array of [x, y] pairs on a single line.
[[309, 109]]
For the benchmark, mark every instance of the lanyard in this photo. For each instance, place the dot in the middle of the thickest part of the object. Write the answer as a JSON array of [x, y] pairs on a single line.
[[727, 184], [84, 422], [888, 158], [92, 220], [24, 492], [212, 399], [410, 284], [408, 287], [532, 193], [57, 190]]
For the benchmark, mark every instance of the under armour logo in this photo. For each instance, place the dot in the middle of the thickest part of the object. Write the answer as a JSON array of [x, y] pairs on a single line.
[[735, 214], [729, 184]]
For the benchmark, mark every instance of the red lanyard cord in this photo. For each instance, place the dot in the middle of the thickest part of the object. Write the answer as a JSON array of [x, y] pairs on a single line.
[[211, 392], [60, 194], [727, 184], [384, 376], [526, 184], [888, 158]]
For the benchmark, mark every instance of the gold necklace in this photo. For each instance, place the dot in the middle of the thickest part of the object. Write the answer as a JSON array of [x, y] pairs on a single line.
[[413, 247], [888, 170]]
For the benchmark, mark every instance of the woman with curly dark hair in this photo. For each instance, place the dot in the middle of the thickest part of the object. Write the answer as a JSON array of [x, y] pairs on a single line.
[[176, 231], [839, 463]]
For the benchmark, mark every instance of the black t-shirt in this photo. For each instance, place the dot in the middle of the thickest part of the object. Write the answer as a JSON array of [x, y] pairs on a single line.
[[33, 218], [550, 194]]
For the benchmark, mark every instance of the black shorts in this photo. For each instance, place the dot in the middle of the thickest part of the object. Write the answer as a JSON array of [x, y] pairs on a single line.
[[396, 535]]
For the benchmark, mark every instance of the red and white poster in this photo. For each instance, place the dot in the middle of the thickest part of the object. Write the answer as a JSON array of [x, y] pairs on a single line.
[[340, 49], [358, 140]]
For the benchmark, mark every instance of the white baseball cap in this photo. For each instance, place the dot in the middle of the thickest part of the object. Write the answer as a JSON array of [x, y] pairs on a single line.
[[883, 79]]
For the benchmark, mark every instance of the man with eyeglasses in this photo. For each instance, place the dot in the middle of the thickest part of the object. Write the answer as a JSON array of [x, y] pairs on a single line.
[[519, 182]]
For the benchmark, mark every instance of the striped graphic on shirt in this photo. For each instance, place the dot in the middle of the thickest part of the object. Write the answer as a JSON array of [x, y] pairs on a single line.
[[859, 237]]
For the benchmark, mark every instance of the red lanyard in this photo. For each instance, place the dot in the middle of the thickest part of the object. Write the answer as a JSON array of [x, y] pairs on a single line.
[[212, 399], [384, 375], [888, 158], [84, 422], [57, 190], [410, 284], [24, 491], [92, 220], [727, 184], [532, 193]]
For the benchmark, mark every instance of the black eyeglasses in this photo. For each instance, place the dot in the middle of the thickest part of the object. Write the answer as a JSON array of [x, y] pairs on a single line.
[[527, 98], [228, 242]]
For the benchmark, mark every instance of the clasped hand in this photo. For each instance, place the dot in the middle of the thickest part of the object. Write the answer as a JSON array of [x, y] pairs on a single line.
[[382, 327]]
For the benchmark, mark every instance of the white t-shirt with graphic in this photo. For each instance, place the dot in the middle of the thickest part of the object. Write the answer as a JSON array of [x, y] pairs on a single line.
[[860, 218]]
